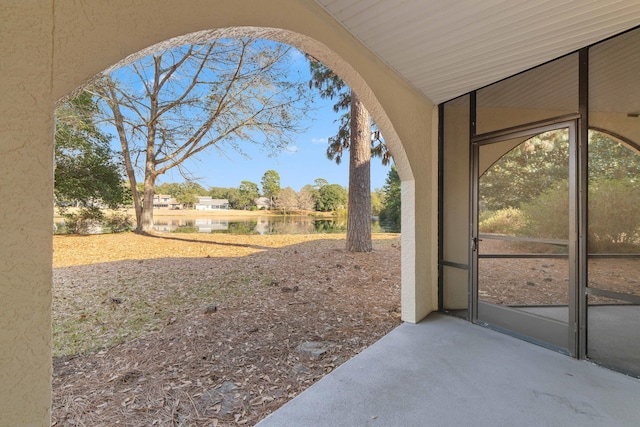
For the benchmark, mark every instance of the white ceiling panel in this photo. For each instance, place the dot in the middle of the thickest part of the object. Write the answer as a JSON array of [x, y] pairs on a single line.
[[446, 48]]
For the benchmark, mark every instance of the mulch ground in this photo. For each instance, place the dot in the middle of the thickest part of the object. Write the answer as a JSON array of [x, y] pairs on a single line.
[[209, 330]]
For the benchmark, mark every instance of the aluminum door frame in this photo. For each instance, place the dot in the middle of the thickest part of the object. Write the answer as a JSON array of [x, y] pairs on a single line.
[[530, 327]]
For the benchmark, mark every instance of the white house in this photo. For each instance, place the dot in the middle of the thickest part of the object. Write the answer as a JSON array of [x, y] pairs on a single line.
[[207, 203], [262, 203], [165, 201]]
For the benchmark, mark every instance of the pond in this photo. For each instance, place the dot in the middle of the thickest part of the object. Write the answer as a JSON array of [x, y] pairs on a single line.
[[268, 224], [264, 224]]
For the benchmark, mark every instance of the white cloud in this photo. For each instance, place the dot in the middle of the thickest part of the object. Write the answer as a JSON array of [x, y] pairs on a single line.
[[292, 149], [319, 140]]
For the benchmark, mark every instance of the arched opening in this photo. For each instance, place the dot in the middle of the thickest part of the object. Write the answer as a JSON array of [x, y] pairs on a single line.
[[315, 49], [417, 302], [129, 372]]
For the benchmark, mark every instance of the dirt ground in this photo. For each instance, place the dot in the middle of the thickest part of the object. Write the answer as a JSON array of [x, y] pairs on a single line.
[[209, 330]]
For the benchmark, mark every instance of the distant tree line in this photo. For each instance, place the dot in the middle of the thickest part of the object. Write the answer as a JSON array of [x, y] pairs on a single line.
[[320, 196]]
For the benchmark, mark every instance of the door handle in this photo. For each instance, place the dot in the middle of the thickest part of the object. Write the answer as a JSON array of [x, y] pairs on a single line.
[[474, 243]]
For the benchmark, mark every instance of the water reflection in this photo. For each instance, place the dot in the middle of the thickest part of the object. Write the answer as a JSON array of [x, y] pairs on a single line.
[[257, 225], [250, 225]]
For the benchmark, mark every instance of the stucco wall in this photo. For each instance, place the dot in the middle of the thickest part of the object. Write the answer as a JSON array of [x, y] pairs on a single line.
[[26, 149], [50, 48]]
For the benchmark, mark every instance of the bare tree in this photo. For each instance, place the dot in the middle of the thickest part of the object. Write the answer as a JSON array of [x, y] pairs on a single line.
[[287, 200], [173, 105], [305, 200]]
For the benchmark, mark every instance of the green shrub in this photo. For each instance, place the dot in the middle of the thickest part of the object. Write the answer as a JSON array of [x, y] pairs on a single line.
[[509, 221], [119, 222], [85, 221], [614, 222], [548, 214]]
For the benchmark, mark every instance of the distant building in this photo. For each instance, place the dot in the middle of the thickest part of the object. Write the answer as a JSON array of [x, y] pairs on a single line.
[[165, 201], [206, 203], [262, 202]]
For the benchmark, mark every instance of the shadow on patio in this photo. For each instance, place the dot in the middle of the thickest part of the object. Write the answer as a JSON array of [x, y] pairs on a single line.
[[446, 371]]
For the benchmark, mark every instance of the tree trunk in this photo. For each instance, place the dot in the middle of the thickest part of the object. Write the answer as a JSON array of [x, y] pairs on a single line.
[[146, 223], [359, 213], [146, 220], [137, 204]]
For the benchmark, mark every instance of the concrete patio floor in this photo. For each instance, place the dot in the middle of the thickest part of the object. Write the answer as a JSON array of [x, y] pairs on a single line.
[[446, 371]]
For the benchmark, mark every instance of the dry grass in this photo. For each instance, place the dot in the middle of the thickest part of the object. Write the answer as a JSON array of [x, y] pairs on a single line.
[[203, 330]]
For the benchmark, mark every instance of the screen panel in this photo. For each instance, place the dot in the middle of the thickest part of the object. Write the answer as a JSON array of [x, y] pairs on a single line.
[[613, 288], [547, 91], [455, 194]]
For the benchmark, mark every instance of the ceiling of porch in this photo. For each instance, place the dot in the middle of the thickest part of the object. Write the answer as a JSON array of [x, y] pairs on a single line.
[[448, 48]]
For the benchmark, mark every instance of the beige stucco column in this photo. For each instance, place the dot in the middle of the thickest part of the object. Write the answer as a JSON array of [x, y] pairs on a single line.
[[49, 48], [26, 188]]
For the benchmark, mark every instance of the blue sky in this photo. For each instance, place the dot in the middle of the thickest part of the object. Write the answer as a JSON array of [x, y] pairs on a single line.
[[300, 164]]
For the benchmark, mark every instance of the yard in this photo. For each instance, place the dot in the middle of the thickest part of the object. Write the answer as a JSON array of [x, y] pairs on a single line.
[[209, 329]]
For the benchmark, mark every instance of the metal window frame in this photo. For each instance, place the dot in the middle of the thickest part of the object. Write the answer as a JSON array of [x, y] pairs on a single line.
[[441, 262]]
